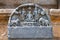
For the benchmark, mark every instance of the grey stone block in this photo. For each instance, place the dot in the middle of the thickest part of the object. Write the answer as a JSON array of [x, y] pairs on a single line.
[[30, 32]]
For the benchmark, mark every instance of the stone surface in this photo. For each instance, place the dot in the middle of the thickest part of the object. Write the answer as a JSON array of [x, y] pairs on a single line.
[[29, 21], [32, 39], [30, 32], [15, 3], [56, 30]]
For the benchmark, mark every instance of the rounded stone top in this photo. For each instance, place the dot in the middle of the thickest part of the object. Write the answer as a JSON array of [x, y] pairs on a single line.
[[29, 14]]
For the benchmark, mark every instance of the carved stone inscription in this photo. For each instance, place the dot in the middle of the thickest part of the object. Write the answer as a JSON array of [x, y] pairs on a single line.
[[29, 21]]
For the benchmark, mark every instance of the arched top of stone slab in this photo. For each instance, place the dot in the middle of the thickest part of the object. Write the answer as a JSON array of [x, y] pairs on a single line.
[[29, 14]]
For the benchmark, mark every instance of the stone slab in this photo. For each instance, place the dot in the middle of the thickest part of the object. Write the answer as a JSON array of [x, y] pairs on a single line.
[[30, 32], [31, 39]]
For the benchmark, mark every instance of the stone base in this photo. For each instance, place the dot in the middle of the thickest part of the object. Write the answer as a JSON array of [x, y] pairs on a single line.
[[31, 39], [30, 32]]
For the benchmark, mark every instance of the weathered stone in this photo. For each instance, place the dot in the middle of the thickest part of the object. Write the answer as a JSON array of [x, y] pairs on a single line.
[[32, 32], [29, 22], [15, 3]]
